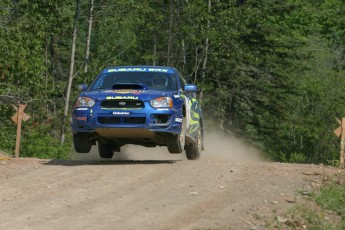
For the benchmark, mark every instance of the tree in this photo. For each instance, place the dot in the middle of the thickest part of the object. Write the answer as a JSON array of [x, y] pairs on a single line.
[[88, 39], [71, 73]]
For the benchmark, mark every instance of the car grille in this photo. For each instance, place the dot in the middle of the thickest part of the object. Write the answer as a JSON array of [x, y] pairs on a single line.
[[122, 104], [122, 120], [109, 120], [135, 120]]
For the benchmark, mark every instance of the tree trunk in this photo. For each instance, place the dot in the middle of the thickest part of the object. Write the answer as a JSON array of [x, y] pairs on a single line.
[[204, 64], [170, 32], [154, 50], [196, 63], [184, 59], [88, 39], [71, 71]]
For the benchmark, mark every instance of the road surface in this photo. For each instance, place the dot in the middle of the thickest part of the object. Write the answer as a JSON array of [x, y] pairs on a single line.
[[150, 189]]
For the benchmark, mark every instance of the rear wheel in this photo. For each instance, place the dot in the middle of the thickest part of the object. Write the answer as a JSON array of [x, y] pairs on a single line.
[[176, 142], [193, 150], [105, 150], [81, 143]]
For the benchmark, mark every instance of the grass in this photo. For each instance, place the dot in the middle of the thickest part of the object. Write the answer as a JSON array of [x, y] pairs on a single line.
[[323, 210], [332, 198]]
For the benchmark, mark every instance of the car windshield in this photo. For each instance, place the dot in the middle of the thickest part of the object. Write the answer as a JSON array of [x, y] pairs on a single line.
[[151, 80]]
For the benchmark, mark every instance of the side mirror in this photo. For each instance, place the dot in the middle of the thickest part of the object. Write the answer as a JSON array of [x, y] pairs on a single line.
[[82, 87], [190, 88]]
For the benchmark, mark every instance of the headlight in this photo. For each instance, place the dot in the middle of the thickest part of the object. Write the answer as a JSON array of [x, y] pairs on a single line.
[[162, 102], [84, 102]]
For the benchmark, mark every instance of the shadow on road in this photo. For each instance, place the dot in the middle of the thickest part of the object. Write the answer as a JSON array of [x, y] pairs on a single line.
[[129, 155], [107, 162]]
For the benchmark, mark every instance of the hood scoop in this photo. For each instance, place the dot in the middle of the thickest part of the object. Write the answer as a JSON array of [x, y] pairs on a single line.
[[130, 86]]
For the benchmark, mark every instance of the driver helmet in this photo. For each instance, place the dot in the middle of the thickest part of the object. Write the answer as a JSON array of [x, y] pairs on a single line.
[[160, 80]]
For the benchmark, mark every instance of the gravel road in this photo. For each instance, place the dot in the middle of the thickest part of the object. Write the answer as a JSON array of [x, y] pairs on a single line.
[[150, 189]]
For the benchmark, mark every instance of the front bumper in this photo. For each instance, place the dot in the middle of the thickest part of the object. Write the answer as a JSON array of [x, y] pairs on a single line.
[[117, 123]]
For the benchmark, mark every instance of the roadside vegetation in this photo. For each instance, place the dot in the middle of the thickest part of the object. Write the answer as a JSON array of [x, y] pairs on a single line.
[[271, 72], [324, 209]]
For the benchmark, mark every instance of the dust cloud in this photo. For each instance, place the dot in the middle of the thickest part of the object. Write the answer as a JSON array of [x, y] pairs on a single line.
[[218, 147]]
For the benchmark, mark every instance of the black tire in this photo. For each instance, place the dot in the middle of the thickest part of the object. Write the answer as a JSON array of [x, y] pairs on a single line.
[[81, 143], [193, 151], [176, 143], [105, 150]]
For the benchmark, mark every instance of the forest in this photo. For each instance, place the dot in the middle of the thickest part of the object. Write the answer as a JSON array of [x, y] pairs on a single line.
[[270, 71]]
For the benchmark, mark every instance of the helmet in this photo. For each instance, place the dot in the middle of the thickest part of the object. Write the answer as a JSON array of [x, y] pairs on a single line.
[[160, 81]]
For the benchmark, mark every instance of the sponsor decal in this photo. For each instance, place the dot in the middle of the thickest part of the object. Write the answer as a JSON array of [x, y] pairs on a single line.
[[158, 70], [194, 115], [81, 118], [122, 97], [123, 91], [127, 70], [82, 108], [177, 119], [176, 96], [121, 113]]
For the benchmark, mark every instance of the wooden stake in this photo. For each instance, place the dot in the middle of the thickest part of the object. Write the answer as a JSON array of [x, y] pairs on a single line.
[[19, 128], [342, 143], [340, 132], [18, 118]]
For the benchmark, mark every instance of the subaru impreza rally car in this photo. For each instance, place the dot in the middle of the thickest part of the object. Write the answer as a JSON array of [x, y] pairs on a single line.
[[143, 105]]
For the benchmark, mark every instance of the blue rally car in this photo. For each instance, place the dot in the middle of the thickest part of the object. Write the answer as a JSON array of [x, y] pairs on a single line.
[[143, 105]]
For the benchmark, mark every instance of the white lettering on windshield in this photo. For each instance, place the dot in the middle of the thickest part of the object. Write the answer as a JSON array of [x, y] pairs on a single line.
[[139, 70], [158, 70]]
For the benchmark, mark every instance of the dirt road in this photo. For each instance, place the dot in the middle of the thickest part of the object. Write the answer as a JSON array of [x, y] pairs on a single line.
[[88, 193]]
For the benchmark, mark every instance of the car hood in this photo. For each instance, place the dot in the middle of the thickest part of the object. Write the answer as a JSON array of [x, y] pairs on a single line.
[[144, 95]]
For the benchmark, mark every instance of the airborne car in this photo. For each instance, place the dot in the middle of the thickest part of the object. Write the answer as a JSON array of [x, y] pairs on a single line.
[[143, 105]]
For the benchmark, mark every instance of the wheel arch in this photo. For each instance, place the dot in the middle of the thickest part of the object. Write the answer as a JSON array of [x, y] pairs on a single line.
[[201, 122], [184, 112]]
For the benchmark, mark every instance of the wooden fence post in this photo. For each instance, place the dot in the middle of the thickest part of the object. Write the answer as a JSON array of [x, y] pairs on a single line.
[[340, 132], [17, 118]]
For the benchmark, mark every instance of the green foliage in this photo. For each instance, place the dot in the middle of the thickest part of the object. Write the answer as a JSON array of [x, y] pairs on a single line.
[[325, 209], [308, 216], [331, 200], [7, 129], [274, 69], [38, 143], [332, 197], [298, 158], [8, 137]]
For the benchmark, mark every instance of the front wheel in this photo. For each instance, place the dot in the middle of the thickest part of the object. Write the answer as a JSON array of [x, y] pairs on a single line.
[[176, 142], [105, 150], [81, 143], [193, 150]]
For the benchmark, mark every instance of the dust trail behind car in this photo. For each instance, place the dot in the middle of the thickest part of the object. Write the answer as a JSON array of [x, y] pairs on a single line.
[[218, 146]]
